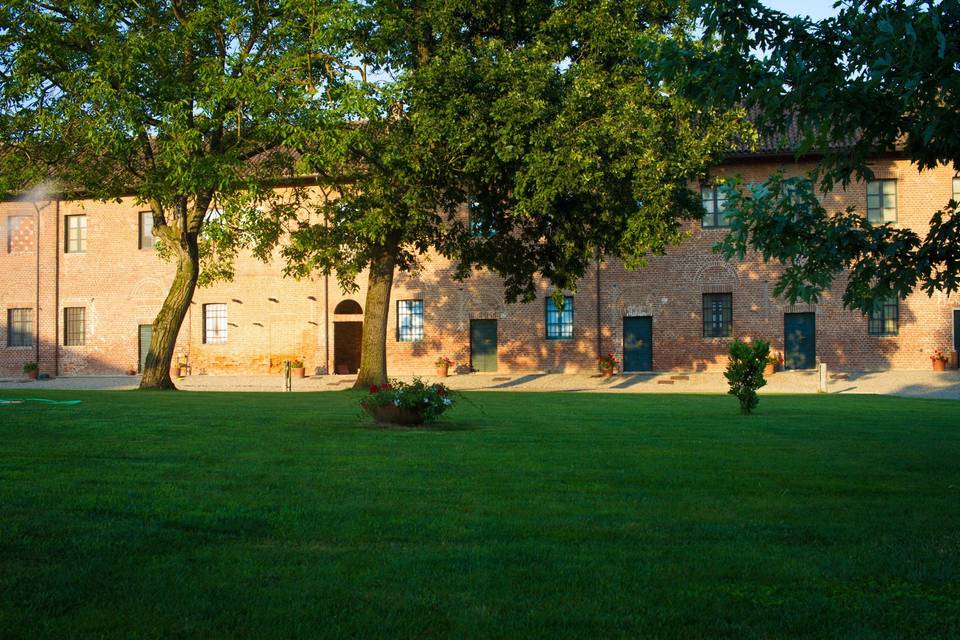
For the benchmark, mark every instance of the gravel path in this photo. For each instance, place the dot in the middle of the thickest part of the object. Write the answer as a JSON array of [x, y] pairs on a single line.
[[917, 384]]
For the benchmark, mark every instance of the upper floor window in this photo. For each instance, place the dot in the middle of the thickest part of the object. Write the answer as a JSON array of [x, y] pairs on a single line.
[[146, 230], [74, 326], [882, 201], [76, 234], [885, 320], [20, 327], [214, 323], [560, 319], [714, 206], [717, 315], [478, 225], [409, 320], [19, 233]]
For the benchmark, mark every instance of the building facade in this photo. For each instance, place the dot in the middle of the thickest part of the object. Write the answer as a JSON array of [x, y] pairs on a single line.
[[80, 285]]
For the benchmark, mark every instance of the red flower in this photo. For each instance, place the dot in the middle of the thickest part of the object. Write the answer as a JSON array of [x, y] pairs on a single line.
[[385, 386], [374, 388]]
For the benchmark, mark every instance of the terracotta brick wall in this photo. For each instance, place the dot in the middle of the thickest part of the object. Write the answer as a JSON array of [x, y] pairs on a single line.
[[272, 318]]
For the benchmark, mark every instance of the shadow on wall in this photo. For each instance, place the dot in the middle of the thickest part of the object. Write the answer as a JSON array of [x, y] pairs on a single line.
[[78, 361], [521, 343]]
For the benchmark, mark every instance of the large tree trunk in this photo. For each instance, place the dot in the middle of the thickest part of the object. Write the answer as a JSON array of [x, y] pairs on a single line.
[[373, 355], [166, 326]]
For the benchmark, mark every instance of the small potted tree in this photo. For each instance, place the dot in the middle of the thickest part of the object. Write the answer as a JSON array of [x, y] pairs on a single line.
[[939, 360], [31, 370], [296, 369], [443, 365], [608, 364]]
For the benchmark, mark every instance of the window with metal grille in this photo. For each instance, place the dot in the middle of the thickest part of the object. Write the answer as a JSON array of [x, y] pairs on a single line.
[[885, 320], [146, 230], [559, 319], [20, 327], [74, 326], [76, 238], [214, 323], [409, 320], [717, 315], [882, 201], [16, 227], [714, 206]]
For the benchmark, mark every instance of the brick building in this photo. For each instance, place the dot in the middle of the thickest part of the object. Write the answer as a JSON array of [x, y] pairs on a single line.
[[80, 285]]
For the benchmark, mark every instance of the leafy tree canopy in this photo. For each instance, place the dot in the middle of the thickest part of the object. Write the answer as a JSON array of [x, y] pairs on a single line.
[[878, 78]]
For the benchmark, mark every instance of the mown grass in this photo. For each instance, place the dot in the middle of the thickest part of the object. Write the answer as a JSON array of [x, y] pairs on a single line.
[[525, 515]]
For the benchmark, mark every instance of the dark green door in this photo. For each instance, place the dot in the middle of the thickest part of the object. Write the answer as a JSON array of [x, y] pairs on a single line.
[[483, 345], [638, 343], [799, 340], [146, 334], [956, 330]]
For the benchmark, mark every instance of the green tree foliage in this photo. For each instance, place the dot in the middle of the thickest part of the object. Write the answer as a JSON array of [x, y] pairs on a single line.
[[187, 106], [745, 372], [541, 117], [879, 77]]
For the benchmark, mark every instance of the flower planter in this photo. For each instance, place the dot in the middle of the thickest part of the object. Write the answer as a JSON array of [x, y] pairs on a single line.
[[297, 372], [770, 369], [443, 371], [390, 414], [32, 375], [939, 365], [606, 373]]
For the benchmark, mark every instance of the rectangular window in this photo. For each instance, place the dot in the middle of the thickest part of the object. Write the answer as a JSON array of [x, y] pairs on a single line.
[[20, 328], [76, 238], [956, 190], [717, 315], [560, 319], [882, 201], [714, 206], [146, 230], [74, 326], [479, 228], [17, 230], [885, 321], [214, 323], [409, 320]]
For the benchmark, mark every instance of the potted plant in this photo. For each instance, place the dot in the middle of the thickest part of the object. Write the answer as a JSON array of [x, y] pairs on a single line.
[[31, 370], [772, 363], [608, 364], [939, 360], [443, 365], [407, 404], [296, 368]]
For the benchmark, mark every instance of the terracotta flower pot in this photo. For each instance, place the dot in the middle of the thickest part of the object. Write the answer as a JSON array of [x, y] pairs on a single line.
[[939, 365], [443, 371], [606, 373], [32, 375], [390, 414], [770, 369], [297, 372]]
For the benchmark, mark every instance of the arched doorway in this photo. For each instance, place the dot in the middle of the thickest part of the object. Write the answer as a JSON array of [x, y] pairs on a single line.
[[347, 337]]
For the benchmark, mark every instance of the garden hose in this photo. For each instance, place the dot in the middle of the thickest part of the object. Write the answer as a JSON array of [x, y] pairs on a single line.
[[40, 400]]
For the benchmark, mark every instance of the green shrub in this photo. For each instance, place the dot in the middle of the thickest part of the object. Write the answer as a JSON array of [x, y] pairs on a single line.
[[30, 366], [745, 371]]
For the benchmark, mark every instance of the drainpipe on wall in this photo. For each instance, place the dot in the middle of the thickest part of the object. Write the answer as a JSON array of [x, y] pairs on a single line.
[[326, 323], [56, 290], [36, 322], [599, 323]]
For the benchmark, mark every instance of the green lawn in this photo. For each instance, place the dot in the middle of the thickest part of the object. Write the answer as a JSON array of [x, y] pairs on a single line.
[[268, 515]]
